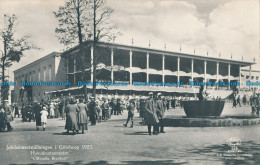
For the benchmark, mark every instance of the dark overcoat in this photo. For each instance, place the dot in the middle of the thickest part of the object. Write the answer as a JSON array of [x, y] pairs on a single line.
[[160, 109], [150, 116]]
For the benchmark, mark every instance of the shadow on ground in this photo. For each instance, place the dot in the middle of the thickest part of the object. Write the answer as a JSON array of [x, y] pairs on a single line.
[[64, 133], [137, 133]]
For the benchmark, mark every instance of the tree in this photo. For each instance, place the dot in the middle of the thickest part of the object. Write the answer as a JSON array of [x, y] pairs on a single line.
[[13, 49], [103, 29], [73, 29], [76, 27]]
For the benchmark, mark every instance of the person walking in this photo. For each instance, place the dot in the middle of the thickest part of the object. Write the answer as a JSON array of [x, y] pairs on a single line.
[[52, 111], [105, 109], [37, 111], [8, 115], [234, 100], [44, 117], [239, 100], [130, 108], [71, 117], [16, 111], [151, 118], [82, 110], [92, 111]]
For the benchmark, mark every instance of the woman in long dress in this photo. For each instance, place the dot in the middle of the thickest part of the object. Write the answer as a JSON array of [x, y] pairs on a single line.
[[71, 117], [82, 116], [52, 112], [44, 114]]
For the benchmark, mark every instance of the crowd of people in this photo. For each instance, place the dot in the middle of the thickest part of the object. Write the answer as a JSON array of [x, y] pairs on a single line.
[[79, 113]]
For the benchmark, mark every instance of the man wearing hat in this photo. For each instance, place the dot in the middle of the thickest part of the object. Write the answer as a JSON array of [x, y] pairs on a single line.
[[92, 111], [160, 109], [8, 115], [150, 116], [37, 111], [105, 108], [130, 108]]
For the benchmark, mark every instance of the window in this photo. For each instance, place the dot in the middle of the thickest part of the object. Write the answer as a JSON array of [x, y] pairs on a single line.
[[39, 75], [44, 74], [257, 77], [50, 73]]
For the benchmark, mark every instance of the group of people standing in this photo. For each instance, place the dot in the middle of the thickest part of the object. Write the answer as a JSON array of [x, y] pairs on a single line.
[[255, 104], [154, 113], [6, 116], [78, 113]]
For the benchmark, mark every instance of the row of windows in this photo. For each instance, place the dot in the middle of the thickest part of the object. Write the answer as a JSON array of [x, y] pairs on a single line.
[[41, 75]]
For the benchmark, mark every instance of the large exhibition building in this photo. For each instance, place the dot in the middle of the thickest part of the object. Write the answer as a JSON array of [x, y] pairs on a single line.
[[166, 71]]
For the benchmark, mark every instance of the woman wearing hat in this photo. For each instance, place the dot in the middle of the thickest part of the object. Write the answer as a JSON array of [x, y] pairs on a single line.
[[71, 117], [82, 115], [44, 114]]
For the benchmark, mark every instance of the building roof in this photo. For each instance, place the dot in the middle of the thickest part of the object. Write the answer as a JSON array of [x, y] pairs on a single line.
[[37, 61], [247, 70], [162, 52]]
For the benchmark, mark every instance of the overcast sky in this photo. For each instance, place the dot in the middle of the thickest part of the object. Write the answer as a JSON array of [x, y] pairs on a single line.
[[217, 26]]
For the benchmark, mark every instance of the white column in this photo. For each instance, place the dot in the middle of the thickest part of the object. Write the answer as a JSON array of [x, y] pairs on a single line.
[[250, 73], [192, 66], [217, 73], [178, 69], [163, 67], [67, 67], [240, 76], [112, 65], [92, 66], [131, 63], [147, 68], [229, 75], [205, 71]]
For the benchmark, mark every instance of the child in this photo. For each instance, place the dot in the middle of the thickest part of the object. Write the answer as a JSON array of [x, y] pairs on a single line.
[[44, 115]]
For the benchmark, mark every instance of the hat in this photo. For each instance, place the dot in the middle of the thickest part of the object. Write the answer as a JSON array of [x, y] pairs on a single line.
[[159, 94], [44, 108], [91, 97], [6, 101], [150, 93]]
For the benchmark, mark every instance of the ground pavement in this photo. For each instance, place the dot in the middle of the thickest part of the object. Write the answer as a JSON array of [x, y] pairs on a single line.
[[110, 143]]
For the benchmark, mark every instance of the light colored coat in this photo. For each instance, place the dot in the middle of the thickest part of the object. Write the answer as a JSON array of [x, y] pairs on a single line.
[[150, 116], [44, 115]]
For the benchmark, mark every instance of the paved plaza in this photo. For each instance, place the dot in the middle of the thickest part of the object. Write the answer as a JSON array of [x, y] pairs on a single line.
[[111, 143]]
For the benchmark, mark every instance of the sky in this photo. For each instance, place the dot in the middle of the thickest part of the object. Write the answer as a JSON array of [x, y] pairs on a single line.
[[222, 27]]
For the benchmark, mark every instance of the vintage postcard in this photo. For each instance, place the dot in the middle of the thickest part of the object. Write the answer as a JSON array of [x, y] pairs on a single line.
[[129, 82]]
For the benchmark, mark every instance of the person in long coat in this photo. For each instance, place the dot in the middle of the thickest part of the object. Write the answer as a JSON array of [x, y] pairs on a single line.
[[37, 111], [52, 111], [8, 115], [92, 111], [71, 117], [2, 119], [82, 116], [151, 118], [160, 110], [105, 109]]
